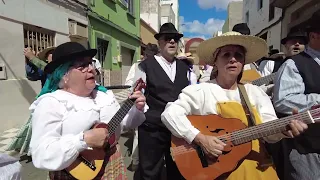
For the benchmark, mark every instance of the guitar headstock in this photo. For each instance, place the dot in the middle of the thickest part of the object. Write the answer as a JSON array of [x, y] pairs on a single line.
[[139, 85]]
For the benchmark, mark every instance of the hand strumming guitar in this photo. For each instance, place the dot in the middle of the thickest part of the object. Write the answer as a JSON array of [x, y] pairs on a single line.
[[96, 138], [211, 145]]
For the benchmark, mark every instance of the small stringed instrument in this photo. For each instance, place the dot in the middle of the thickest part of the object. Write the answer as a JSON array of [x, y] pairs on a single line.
[[191, 160], [90, 162]]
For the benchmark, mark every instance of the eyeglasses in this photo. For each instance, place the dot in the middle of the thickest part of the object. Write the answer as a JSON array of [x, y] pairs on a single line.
[[83, 66]]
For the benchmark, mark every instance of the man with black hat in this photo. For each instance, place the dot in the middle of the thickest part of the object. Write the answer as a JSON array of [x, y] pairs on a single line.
[[294, 44], [165, 77], [297, 87]]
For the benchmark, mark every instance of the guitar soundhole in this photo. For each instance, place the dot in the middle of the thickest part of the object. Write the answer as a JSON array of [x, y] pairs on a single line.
[[207, 126]]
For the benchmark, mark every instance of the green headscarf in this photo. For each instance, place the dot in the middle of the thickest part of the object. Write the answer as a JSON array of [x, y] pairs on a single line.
[[52, 82]]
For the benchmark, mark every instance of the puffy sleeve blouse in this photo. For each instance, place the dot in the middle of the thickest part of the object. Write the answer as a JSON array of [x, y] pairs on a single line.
[[59, 120]]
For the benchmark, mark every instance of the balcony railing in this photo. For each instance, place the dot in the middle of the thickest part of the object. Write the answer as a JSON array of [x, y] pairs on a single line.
[[281, 3]]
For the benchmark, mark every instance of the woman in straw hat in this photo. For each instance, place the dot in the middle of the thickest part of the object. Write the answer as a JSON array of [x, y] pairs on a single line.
[[67, 106], [228, 53]]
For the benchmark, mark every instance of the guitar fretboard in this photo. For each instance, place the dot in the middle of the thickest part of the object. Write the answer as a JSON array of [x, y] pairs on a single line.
[[264, 80], [118, 117], [269, 128]]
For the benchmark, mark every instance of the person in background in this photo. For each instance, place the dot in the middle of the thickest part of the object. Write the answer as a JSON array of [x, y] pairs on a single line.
[[149, 51], [165, 77], [297, 88], [205, 71], [190, 61], [294, 44]]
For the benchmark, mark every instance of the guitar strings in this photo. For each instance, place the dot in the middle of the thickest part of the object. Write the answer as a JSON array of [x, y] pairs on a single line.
[[246, 134]]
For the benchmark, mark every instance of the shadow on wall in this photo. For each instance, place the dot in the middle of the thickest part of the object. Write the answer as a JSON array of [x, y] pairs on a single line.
[[24, 87]]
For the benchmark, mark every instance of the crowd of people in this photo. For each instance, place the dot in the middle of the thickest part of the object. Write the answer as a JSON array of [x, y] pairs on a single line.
[[71, 102]]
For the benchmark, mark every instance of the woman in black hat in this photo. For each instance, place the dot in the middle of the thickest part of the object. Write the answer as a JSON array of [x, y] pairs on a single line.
[[68, 105]]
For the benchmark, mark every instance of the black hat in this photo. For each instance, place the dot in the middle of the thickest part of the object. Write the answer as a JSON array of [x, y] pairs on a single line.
[[313, 24], [273, 51], [67, 52], [167, 28], [241, 28], [295, 35]]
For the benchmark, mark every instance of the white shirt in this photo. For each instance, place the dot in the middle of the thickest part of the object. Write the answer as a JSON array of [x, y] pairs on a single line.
[[266, 67], [202, 99], [10, 168], [58, 122], [97, 64], [131, 74], [169, 68], [205, 74]]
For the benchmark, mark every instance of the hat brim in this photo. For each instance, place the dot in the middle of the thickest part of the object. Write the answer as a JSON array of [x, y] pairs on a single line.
[[42, 54], [54, 64], [256, 47], [158, 35], [284, 40]]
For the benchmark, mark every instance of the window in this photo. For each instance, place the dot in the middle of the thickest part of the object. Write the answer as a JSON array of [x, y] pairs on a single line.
[[260, 4], [271, 12], [102, 48], [247, 17], [130, 6], [37, 38]]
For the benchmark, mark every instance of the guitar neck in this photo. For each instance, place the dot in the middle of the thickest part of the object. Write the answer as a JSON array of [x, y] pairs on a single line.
[[270, 128], [119, 116], [264, 80]]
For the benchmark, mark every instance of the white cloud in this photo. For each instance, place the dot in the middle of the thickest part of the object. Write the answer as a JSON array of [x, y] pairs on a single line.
[[195, 27], [218, 4]]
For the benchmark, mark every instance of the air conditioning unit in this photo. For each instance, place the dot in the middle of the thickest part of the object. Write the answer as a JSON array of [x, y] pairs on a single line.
[[78, 29]]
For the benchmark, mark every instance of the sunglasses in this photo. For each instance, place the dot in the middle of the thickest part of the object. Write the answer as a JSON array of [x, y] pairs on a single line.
[[170, 37]]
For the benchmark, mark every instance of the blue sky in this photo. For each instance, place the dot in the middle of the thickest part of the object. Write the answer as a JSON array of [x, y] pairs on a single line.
[[201, 18]]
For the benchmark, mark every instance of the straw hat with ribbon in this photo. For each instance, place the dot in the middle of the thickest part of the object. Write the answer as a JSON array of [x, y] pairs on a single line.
[[256, 47], [189, 57], [42, 54]]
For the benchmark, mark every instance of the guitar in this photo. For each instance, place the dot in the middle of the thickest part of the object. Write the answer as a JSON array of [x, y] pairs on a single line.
[[90, 162], [191, 160], [253, 77]]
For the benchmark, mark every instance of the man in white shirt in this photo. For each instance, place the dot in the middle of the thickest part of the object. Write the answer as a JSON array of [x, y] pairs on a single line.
[[165, 77], [149, 51]]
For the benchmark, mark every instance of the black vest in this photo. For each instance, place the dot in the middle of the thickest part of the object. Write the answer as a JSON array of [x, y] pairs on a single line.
[[309, 70], [160, 89]]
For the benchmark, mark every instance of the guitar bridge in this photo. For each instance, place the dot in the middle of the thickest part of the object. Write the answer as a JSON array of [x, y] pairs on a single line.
[[88, 163]]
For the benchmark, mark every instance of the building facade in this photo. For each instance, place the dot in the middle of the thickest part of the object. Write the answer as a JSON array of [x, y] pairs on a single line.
[[150, 12], [296, 13], [234, 15], [169, 12], [115, 31], [37, 24], [264, 20]]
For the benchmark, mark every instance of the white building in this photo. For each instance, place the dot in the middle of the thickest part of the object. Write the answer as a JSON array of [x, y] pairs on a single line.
[[38, 24], [264, 20], [175, 8], [234, 15], [150, 12]]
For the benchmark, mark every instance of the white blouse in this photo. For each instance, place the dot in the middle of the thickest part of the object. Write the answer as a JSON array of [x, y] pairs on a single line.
[[58, 122]]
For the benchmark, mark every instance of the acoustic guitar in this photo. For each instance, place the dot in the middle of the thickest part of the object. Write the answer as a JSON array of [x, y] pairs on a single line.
[[191, 160], [253, 77], [90, 162]]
